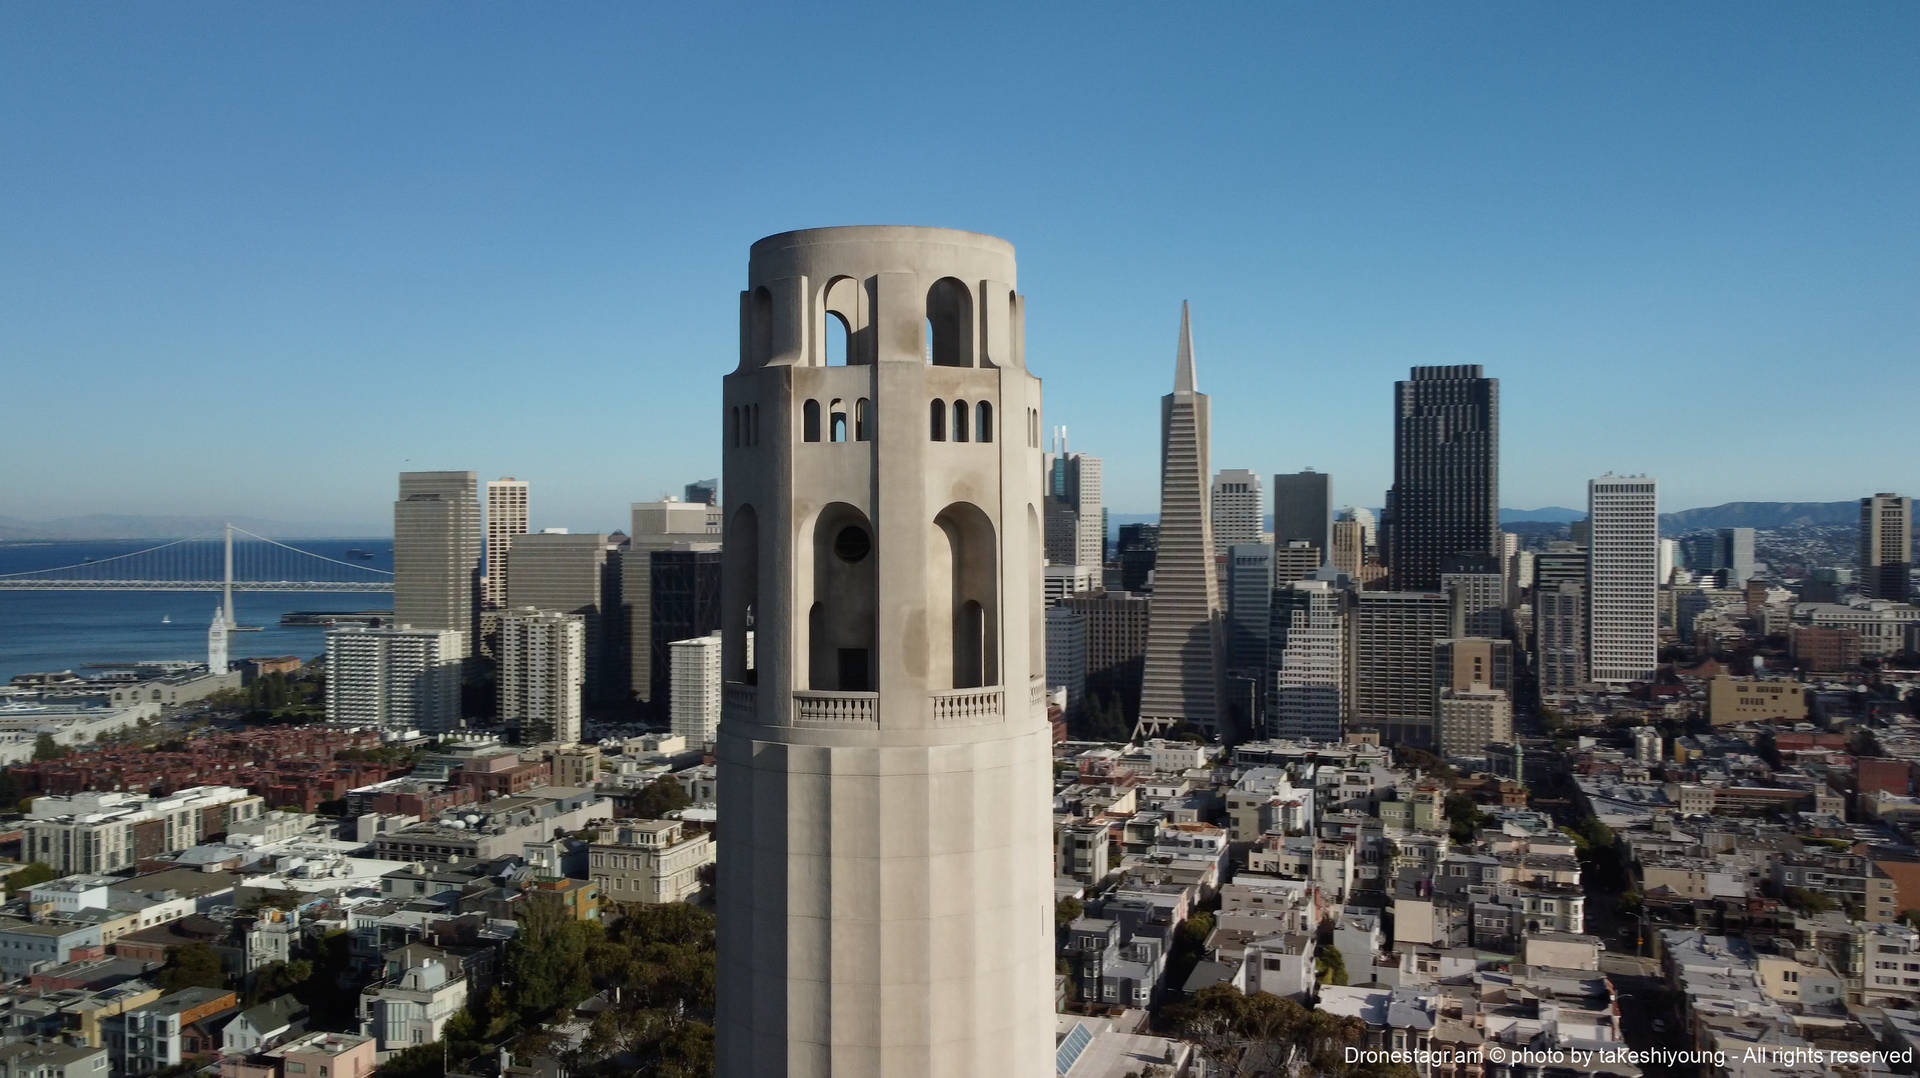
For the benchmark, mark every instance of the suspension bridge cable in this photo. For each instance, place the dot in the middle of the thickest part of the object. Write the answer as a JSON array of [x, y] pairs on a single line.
[[116, 557], [311, 554]]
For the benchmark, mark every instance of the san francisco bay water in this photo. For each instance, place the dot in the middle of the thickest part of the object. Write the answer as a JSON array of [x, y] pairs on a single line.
[[66, 630]]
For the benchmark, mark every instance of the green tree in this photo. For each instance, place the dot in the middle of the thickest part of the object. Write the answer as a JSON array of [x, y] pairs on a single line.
[[547, 960], [46, 748], [192, 965], [279, 978], [1067, 910], [662, 796], [1330, 966], [1464, 818], [37, 872]]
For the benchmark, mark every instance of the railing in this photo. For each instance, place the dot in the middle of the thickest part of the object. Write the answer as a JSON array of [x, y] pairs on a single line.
[[739, 702], [968, 707], [836, 710]]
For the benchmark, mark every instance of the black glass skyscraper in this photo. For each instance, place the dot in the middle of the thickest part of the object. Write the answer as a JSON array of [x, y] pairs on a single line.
[[1445, 501]]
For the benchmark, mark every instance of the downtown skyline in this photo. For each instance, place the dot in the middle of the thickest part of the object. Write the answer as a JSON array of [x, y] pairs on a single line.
[[1643, 262]]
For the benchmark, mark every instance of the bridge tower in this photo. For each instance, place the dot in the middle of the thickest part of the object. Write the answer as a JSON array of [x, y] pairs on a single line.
[[885, 894]]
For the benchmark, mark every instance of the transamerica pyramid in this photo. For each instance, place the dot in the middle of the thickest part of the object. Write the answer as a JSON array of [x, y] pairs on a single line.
[[1183, 682]]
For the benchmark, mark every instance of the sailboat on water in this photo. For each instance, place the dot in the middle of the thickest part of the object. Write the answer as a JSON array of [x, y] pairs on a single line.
[[166, 619]]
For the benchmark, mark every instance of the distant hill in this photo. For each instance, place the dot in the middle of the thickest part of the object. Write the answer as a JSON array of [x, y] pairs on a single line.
[[1760, 515], [123, 526]]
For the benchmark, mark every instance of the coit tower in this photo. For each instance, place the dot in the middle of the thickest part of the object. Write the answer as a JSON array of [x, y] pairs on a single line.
[[885, 879]]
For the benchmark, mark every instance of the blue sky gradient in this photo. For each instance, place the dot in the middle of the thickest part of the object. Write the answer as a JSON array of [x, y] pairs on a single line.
[[258, 258]]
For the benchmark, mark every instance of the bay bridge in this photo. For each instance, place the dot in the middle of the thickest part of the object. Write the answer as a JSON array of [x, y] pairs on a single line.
[[208, 563]]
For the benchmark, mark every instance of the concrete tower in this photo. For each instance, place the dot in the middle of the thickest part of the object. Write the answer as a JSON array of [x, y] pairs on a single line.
[[885, 888], [506, 521], [1445, 500], [1886, 546], [1183, 682], [217, 643], [436, 554], [1623, 579]]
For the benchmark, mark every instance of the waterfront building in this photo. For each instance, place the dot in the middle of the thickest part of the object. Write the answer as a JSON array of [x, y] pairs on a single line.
[[1183, 682], [1623, 587], [401, 678], [543, 673], [436, 555], [899, 680], [1445, 499], [217, 643]]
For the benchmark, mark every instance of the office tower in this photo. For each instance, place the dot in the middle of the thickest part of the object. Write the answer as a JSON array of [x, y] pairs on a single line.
[[1466, 721], [1369, 528], [1623, 587], [1302, 509], [1461, 662], [1116, 624], [506, 521], [543, 672], [684, 596], [403, 678], [1293, 561], [1137, 547], [885, 872], [1446, 472], [703, 492], [1182, 681], [1510, 567], [1309, 649], [1669, 560], [1560, 637], [1349, 547], [1060, 581], [217, 643], [571, 573], [436, 554], [1060, 527], [1249, 605], [1067, 655], [695, 696], [1886, 547], [1580, 532], [654, 526], [1736, 554], [1390, 637], [1073, 483], [1479, 602], [1236, 509]]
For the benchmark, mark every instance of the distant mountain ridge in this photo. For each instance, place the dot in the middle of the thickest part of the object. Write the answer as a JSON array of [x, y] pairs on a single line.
[[130, 526]]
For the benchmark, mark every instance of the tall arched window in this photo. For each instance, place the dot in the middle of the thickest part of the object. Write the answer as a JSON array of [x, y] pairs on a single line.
[[810, 421], [937, 420], [862, 425], [959, 421], [983, 422], [949, 324], [837, 421], [839, 340]]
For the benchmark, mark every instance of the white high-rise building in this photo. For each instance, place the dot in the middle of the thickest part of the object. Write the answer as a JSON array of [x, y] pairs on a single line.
[[1308, 645], [1669, 558], [404, 677], [543, 673], [1623, 579], [886, 866], [694, 706], [1236, 510], [506, 519], [217, 643], [1073, 480]]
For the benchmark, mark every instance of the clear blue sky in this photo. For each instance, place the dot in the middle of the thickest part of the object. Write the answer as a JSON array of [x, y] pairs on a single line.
[[257, 258]]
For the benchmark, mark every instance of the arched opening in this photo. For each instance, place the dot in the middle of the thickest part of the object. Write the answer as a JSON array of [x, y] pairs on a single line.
[[963, 599], [810, 421], [983, 422], [862, 425], [949, 324], [740, 593], [937, 420], [736, 426], [762, 325], [959, 421], [837, 421], [841, 622], [839, 339]]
